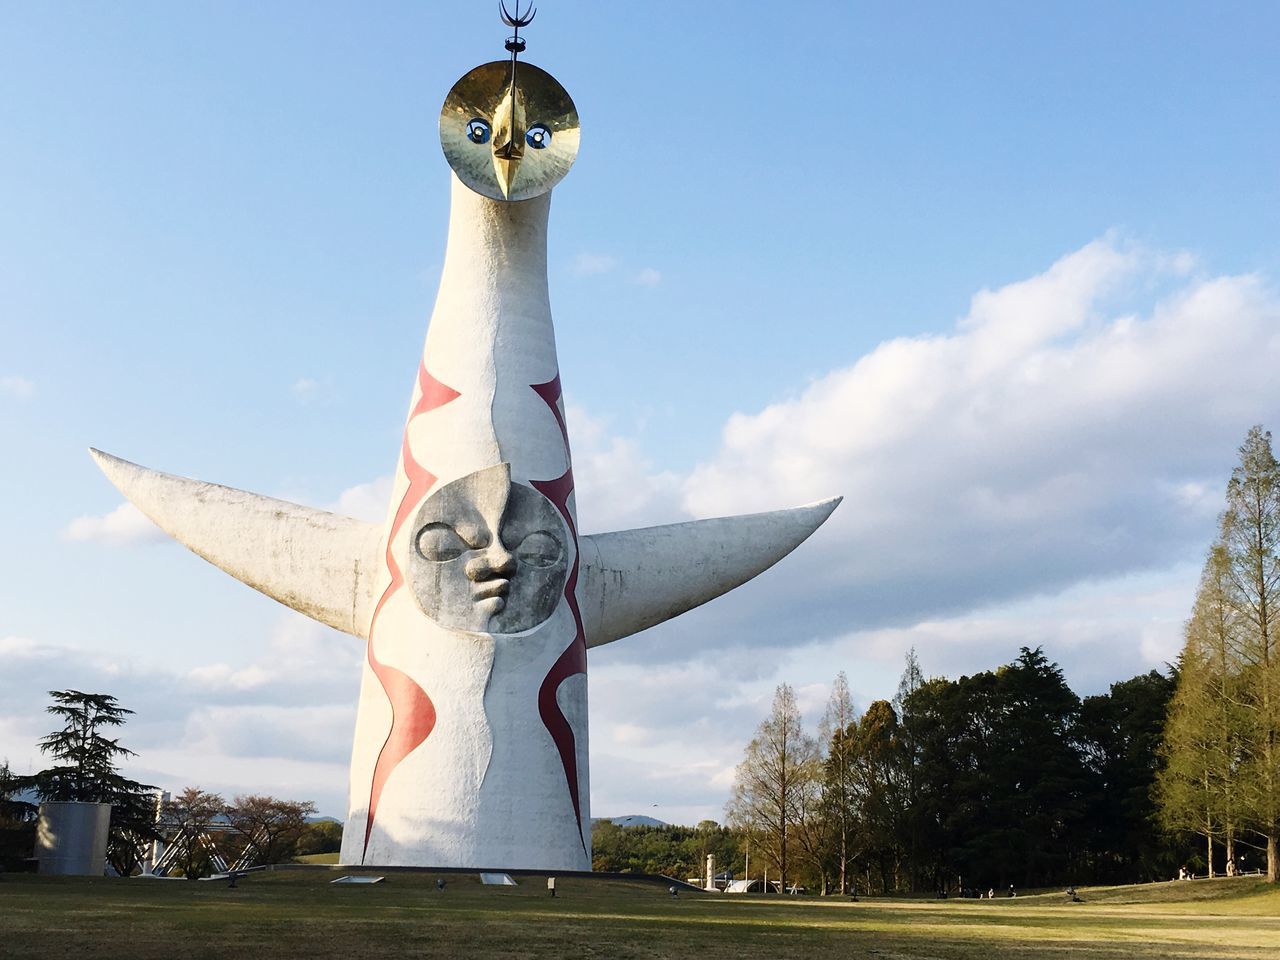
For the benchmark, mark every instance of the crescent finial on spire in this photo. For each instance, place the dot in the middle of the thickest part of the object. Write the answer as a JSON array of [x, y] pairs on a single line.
[[516, 21]]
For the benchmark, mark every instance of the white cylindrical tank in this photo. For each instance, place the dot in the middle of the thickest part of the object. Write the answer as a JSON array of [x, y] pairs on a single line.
[[71, 838]]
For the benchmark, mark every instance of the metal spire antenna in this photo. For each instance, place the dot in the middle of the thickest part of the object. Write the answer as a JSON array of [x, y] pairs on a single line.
[[516, 21]]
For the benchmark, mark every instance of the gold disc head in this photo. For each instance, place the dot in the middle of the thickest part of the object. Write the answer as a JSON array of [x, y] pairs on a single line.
[[509, 140]]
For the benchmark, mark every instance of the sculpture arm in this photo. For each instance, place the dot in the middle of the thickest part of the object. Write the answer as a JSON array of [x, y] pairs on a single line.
[[319, 563], [634, 579]]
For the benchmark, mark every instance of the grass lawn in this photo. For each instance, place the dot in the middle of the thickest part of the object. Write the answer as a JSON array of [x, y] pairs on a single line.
[[288, 915]]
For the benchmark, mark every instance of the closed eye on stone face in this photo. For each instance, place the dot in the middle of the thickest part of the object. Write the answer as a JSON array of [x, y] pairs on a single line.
[[539, 549], [440, 542]]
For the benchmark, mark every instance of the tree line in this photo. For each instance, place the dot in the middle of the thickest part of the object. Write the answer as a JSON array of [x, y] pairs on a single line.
[[667, 850], [1004, 778]]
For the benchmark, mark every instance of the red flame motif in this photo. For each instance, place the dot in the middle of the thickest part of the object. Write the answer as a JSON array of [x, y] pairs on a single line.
[[413, 715], [574, 659]]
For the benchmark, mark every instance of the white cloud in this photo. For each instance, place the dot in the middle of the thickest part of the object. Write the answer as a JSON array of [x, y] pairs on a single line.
[[22, 648], [616, 486], [365, 501], [1063, 430], [305, 389], [592, 264], [648, 277], [125, 524], [20, 388]]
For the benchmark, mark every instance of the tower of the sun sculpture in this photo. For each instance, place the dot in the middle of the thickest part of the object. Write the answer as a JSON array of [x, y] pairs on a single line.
[[478, 597]]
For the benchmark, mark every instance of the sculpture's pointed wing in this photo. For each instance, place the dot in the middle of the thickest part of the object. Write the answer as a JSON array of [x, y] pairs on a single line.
[[316, 562], [634, 579]]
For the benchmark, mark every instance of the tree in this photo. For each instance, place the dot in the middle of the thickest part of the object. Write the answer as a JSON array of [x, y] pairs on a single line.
[[930, 717], [271, 827], [1121, 732], [1197, 788], [1186, 786], [774, 781], [187, 819], [323, 836], [1251, 540], [876, 752], [12, 807], [1000, 782], [88, 758], [837, 787], [133, 829], [912, 679], [668, 850], [17, 821], [87, 772], [814, 832]]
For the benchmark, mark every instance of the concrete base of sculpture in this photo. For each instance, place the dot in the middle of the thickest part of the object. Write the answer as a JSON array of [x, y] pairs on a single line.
[[71, 838]]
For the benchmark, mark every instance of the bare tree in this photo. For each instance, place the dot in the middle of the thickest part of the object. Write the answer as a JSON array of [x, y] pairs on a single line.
[[774, 781], [837, 792]]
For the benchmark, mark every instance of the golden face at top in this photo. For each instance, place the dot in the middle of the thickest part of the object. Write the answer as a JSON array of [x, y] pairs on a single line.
[[509, 139]]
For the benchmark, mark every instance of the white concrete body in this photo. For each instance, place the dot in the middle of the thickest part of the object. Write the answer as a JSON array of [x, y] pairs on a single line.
[[471, 747], [500, 779]]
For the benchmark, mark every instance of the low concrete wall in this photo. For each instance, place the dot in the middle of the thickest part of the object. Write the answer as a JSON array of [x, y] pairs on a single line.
[[586, 874], [71, 838]]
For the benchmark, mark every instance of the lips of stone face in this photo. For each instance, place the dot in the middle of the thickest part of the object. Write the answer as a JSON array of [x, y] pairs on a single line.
[[488, 555]]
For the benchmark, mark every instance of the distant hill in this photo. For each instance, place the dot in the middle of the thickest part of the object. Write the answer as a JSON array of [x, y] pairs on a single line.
[[634, 820]]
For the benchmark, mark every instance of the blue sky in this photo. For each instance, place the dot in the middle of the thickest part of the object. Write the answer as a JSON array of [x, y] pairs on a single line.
[[1004, 274]]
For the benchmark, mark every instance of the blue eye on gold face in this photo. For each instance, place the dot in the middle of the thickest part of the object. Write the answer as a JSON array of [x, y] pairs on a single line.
[[478, 131], [538, 137]]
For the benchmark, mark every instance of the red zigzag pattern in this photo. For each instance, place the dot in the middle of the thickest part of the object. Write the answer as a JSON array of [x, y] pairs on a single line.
[[574, 659], [413, 715]]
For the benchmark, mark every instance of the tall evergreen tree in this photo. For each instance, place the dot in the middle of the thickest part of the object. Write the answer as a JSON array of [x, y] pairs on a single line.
[[87, 771], [1251, 539], [930, 722], [1187, 785], [878, 765], [1121, 732], [1001, 779]]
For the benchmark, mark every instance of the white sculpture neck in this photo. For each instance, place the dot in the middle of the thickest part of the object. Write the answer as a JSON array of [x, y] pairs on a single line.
[[491, 339]]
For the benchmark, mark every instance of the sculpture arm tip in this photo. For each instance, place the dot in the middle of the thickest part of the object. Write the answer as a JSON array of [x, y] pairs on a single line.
[[314, 561], [635, 579]]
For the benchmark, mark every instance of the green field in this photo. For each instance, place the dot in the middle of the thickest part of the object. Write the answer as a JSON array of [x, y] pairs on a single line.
[[289, 915]]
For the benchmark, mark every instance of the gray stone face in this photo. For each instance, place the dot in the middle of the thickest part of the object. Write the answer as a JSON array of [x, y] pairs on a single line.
[[488, 555]]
